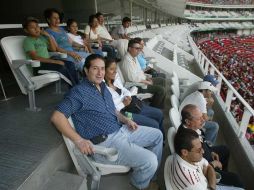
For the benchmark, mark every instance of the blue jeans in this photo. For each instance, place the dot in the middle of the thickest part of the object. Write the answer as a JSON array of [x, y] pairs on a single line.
[[211, 131], [210, 113], [151, 117], [79, 64], [129, 144]]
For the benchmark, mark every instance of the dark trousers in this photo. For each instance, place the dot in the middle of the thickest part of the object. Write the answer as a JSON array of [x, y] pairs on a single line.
[[221, 150], [158, 91], [230, 178], [227, 178], [150, 117], [68, 70], [110, 50]]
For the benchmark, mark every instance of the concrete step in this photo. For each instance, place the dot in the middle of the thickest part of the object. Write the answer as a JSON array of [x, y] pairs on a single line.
[[61, 180]]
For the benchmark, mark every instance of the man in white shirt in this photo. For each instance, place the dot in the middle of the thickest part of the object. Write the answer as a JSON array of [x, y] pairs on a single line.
[[198, 98], [132, 72], [101, 29], [194, 87], [188, 169], [121, 32]]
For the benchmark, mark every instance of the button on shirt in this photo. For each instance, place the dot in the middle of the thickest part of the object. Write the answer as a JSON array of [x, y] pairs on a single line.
[[92, 112]]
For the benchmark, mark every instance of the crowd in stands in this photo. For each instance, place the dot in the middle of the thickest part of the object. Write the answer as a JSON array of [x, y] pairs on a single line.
[[233, 55], [223, 2]]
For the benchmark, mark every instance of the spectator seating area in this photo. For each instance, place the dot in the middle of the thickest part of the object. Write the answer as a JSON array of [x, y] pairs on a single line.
[[223, 2], [234, 56], [207, 13]]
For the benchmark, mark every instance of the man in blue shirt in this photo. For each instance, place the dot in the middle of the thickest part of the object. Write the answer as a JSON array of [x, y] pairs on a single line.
[[92, 109]]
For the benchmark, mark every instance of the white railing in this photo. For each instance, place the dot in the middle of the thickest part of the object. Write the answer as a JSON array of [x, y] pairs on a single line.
[[208, 67]]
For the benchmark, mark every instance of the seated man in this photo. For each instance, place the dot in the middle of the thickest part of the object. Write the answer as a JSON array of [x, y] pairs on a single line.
[[199, 98], [188, 169], [217, 156], [93, 112], [194, 87], [132, 72], [144, 64], [121, 32]]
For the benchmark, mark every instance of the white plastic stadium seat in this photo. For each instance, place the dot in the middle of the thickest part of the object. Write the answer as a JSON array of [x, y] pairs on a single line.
[[167, 173], [175, 90], [15, 55], [85, 165], [174, 101], [171, 137], [174, 117]]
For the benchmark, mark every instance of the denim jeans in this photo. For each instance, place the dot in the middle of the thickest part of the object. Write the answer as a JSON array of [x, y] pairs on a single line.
[[78, 64], [129, 144], [211, 131], [210, 113], [151, 117]]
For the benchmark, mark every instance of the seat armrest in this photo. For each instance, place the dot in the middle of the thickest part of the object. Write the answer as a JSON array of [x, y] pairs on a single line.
[[143, 96], [130, 84], [58, 54], [148, 76], [19, 62], [110, 153]]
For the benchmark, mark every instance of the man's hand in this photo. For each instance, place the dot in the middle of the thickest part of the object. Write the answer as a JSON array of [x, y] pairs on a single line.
[[127, 100], [85, 146], [216, 164], [131, 124], [215, 156]]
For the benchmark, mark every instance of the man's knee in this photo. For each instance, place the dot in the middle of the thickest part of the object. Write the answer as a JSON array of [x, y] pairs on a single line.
[[151, 163]]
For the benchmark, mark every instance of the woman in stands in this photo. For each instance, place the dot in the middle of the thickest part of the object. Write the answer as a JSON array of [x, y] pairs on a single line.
[[93, 37], [145, 115], [36, 46], [64, 44], [78, 41]]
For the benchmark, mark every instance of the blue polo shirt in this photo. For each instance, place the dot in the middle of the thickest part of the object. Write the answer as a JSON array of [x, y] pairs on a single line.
[[92, 112]]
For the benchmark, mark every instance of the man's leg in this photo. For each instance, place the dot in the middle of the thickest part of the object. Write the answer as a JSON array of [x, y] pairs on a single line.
[[211, 131], [129, 145], [155, 114]]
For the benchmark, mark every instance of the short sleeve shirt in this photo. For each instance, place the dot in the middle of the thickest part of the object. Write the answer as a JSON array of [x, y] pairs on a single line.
[[92, 112], [39, 45], [61, 38], [91, 35]]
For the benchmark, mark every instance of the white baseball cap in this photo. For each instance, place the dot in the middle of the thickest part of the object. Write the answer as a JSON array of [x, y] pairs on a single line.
[[204, 85]]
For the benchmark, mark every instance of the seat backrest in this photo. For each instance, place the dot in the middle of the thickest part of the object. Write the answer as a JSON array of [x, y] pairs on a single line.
[[171, 137], [175, 117], [175, 90], [167, 173], [174, 101], [175, 79], [13, 49], [120, 74]]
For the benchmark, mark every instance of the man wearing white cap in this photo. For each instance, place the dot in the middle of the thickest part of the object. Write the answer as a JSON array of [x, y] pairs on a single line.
[[194, 87], [199, 98]]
